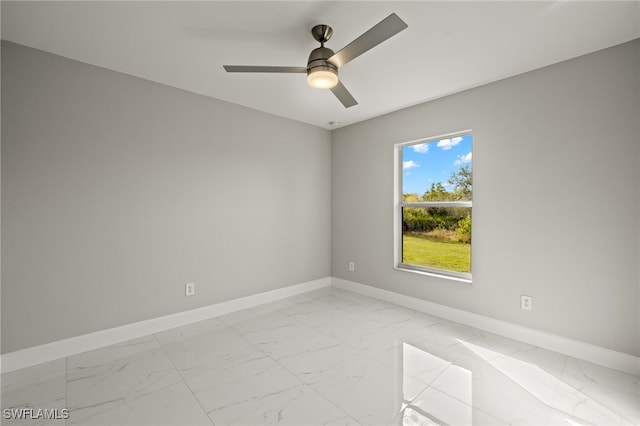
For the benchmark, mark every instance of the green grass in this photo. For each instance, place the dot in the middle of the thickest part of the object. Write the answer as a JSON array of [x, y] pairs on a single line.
[[423, 250]]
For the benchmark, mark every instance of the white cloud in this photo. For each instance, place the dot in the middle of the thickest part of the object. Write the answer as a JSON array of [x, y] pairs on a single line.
[[463, 159], [406, 165], [447, 144], [421, 148]]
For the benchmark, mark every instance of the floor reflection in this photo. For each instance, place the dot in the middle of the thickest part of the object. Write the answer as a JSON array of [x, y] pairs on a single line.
[[448, 396], [549, 389], [433, 407]]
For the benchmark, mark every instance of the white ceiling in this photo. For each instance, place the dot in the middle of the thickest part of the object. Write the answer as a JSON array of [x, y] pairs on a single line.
[[448, 47]]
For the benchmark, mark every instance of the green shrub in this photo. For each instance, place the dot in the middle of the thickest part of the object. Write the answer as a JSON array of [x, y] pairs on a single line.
[[464, 229]]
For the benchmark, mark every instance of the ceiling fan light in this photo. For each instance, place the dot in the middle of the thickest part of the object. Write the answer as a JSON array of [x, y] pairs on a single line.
[[322, 78]]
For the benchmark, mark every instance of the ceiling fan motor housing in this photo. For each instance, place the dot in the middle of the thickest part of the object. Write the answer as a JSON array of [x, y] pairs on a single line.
[[318, 59], [321, 73]]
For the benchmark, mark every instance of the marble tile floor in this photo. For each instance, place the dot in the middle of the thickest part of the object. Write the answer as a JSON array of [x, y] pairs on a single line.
[[328, 357]]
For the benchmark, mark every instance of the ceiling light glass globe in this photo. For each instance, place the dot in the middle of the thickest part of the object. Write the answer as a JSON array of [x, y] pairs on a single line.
[[322, 79]]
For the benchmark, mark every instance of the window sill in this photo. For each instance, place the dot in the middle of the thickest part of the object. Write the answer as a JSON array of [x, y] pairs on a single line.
[[433, 274]]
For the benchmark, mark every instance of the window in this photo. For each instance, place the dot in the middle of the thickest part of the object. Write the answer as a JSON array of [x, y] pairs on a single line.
[[434, 200]]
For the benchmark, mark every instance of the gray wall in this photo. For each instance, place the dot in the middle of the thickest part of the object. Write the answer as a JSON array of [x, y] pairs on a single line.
[[556, 198], [117, 191]]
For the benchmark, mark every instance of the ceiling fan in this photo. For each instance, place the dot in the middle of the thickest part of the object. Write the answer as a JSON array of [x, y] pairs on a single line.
[[322, 66]]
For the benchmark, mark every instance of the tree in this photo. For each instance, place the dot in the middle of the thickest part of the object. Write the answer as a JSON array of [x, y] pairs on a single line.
[[437, 192], [462, 183], [412, 197]]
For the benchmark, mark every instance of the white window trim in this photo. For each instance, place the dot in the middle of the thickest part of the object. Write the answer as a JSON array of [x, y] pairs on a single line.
[[397, 214]]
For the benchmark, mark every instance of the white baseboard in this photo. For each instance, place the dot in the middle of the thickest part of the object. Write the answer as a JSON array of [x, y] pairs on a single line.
[[585, 351], [62, 348], [50, 351]]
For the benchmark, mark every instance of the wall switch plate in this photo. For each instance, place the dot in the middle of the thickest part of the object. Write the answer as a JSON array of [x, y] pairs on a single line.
[[190, 289], [526, 302], [352, 266]]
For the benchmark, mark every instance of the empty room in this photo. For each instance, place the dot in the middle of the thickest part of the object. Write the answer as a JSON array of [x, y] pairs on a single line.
[[320, 213]]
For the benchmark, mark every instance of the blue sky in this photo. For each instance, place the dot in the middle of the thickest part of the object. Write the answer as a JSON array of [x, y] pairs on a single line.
[[433, 162]]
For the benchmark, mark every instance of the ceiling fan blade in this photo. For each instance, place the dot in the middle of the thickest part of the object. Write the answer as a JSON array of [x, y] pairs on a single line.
[[252, 68], [343, 95], [387, 28]]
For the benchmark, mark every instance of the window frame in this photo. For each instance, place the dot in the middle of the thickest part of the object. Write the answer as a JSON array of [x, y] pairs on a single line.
[[400, 204]]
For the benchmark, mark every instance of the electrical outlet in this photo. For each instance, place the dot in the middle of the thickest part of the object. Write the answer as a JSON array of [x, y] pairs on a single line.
[[526, 302], [352, 266], [190, 289]]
